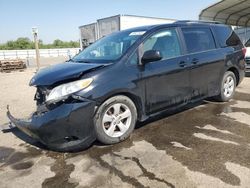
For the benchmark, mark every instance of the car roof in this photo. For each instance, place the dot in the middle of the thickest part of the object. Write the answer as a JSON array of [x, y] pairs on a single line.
[[176, 24]]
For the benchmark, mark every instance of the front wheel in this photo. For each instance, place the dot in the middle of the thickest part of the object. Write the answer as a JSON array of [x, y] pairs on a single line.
[[227, 88], [115, 120]]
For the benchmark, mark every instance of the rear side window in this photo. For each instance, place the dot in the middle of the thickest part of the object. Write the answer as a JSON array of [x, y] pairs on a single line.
[[198, 39], [226, 36]]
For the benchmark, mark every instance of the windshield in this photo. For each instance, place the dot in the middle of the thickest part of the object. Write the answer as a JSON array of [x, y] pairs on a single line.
[[109, 48]]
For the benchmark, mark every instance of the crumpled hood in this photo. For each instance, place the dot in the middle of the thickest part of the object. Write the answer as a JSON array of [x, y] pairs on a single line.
[[60, 72]]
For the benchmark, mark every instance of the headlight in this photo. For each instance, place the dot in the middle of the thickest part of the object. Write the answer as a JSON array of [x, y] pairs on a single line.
[[62, 91]]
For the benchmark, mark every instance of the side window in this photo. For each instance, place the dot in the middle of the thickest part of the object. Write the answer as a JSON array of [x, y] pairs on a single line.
[[198, 39], [166, 42], [226, 36]]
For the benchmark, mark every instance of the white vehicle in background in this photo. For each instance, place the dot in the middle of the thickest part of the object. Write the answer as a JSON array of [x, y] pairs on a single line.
[[248, 56]]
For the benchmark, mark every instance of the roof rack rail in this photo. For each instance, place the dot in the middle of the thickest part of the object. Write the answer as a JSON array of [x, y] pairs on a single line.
[[198, 21]]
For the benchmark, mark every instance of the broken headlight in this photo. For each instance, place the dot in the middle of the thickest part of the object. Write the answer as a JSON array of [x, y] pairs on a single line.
[[63, 91]]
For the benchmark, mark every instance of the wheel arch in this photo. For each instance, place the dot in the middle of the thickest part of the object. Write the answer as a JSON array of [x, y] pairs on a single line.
[[135, 99], [236, 73]]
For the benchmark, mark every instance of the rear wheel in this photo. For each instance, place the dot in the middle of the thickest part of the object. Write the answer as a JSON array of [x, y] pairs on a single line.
[[227, 88], [115, 119]]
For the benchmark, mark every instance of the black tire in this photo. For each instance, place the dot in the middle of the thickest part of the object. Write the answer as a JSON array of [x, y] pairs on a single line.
[[222, 97], [99, 129]]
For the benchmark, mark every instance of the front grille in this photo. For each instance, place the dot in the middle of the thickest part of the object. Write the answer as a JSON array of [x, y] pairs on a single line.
[[41, 94], [40, 97], [43, 107]]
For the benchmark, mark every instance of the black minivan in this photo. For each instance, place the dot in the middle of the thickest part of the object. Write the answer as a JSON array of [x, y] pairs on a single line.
[[130, 76]]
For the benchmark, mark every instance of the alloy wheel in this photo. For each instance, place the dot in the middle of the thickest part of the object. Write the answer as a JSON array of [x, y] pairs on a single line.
[[228, 87], [116, 120]]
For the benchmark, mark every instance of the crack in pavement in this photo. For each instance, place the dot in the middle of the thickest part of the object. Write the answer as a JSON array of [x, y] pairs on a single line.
[[128, 179], [146, 173]]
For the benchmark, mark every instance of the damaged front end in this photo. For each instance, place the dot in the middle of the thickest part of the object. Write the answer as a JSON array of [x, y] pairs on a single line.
[[64, 118], [61, 126]]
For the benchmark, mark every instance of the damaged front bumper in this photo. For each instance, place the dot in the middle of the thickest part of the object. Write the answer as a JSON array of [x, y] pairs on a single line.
[[66, 127]]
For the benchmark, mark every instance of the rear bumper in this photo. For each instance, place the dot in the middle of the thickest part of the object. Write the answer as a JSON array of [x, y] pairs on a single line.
[[64, 127]]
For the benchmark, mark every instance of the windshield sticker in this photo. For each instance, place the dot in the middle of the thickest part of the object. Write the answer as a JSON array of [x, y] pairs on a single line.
[[163, 34], [136, 33]]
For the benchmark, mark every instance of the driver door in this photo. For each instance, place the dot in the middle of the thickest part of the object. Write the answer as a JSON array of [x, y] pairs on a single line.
[[167, 82]]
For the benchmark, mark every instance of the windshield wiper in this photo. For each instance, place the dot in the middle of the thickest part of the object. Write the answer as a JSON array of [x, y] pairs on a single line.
[[77, 61], [70, 60], [80, 61]]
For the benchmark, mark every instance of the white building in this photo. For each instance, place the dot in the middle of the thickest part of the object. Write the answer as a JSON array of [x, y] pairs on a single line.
[[91, 32]]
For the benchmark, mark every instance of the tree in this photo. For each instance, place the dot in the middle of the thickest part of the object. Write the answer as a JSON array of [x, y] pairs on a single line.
[[23, 43], [58, 43], [10, 45], [26, 43]]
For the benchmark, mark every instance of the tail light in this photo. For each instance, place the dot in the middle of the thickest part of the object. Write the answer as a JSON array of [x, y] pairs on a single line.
[[244, 51]]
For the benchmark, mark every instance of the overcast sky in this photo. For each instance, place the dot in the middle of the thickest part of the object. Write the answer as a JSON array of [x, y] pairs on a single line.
[[59, 19]]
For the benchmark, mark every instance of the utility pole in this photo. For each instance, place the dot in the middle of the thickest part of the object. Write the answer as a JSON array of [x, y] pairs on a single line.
[[35, 34]]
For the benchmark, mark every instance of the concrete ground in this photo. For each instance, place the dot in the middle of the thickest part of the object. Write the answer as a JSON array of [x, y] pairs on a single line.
[[204, 146], [45, 61]]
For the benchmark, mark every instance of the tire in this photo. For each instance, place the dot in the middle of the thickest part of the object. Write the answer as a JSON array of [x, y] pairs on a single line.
[[115, 120], [227, 91]]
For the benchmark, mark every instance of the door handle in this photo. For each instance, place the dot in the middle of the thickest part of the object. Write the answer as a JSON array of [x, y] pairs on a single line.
[[195, 61], [182, 64]]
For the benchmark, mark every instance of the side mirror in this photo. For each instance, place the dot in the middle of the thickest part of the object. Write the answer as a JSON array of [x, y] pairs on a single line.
[[150, 56]]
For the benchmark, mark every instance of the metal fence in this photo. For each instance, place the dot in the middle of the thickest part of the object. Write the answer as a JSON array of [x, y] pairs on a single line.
[[25, 54]]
